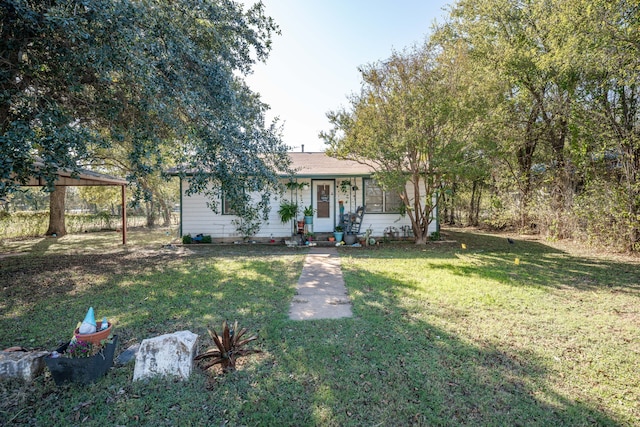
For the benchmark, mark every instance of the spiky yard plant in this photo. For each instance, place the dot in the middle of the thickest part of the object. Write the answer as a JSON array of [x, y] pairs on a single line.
[[228, 348]]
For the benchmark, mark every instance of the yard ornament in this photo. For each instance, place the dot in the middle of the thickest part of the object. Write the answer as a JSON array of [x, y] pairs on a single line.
[[88, 325]]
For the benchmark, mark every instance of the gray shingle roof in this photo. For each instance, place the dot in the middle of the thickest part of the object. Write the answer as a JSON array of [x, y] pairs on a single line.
[[321, 165]]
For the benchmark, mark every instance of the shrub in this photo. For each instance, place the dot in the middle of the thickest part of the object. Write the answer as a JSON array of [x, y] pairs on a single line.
[[228, 347]]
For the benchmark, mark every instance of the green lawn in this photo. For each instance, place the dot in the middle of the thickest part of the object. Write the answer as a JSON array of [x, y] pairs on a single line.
[[440, 335]]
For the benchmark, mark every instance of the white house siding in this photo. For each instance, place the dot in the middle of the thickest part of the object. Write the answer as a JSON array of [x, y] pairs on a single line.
[[380, 222], [198, 218]]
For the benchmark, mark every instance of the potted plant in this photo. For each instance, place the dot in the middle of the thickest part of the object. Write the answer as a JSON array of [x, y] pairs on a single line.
[[308, 214], [81, 361], [338, 233], [89, 354], [350, 238], [288, 212]]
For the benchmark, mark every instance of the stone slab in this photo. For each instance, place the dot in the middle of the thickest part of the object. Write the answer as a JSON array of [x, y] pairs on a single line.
[[166, 355], [128, 355], [25, 365]]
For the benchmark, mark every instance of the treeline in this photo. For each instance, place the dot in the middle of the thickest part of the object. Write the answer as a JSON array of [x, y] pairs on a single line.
[[561, 147], [519, 114]]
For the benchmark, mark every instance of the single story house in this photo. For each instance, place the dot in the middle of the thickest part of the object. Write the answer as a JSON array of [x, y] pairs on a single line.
[[329, 182]]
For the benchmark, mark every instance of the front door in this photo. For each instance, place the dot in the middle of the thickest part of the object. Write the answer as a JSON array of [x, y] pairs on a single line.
[[323, 203]]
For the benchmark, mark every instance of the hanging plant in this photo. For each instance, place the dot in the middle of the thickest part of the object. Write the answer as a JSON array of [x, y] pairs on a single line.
[[293, 185], [345, 185], [287, 211]]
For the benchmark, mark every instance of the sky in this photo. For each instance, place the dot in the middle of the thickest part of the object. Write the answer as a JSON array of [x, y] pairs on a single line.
[[313, 65]]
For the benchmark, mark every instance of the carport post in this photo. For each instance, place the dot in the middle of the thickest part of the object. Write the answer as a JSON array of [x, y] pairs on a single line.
[[124, 215]]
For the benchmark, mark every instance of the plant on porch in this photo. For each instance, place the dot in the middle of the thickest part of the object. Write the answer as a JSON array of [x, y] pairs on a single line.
[[288, 211]]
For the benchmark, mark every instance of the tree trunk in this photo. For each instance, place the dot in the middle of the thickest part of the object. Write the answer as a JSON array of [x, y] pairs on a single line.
[[56, 212], [151, 214], [166, 212], [472, 219], [474, 204]]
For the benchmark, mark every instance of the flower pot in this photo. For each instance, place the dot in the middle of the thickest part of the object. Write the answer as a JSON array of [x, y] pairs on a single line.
[[94, 338], [331, 239], [350, 239], [308, 219], [84, 370], [338, 235]]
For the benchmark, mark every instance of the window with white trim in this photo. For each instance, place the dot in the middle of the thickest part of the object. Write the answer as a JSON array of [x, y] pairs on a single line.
[[377, 200]]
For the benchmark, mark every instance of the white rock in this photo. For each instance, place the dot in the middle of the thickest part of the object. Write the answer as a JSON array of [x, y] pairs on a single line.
[[20, 364], [170, 354]]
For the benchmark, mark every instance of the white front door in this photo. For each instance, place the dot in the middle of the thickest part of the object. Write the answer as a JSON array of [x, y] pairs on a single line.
[[323, 203]]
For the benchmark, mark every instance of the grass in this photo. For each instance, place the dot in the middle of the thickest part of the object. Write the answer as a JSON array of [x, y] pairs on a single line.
[[440, 335]]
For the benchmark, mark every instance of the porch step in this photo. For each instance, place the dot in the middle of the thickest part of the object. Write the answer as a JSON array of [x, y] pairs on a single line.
[[322, 239]]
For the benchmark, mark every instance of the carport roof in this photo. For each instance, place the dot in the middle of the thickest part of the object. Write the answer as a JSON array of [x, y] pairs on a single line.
[[85, 178]]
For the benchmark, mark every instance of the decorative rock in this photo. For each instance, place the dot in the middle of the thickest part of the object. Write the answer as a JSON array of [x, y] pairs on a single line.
[[20, 364], [128, 355], [170, 354]]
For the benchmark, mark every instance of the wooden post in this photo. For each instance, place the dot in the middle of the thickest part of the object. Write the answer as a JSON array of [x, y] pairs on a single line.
[[124, 215]]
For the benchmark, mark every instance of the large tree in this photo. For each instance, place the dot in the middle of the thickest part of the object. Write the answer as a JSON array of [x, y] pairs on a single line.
[[526, 44], [412, 122], [609, 48], [162, 78]]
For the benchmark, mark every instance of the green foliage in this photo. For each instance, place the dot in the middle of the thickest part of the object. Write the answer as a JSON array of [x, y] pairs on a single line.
[[287, 211], [102, 198], [162, 83], [247, 227], [309, 211], [206, 239], [346, 186], [23, 224], [411, 123], [601, 215], [293, 185], [187, 239], [567, 79]]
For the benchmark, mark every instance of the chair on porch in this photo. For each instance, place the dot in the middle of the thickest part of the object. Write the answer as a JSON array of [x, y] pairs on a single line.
[[351, 222], [300, 230]]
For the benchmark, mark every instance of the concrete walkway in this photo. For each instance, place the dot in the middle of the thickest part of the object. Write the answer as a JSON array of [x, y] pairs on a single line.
[[321, 293]]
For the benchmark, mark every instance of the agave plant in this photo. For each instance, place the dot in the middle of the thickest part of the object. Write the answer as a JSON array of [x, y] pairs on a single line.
[[228, 348]]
